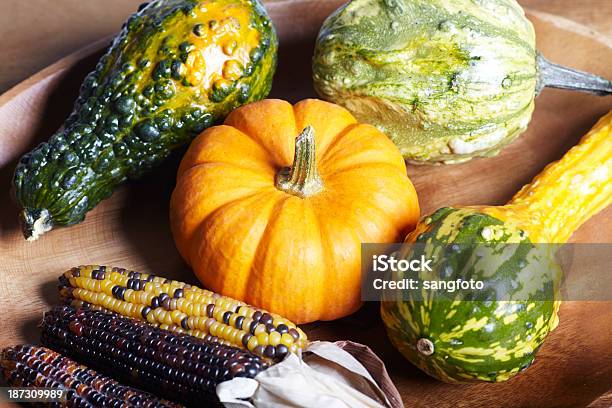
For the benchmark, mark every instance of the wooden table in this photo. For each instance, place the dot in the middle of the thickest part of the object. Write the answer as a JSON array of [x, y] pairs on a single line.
[[36, 33]]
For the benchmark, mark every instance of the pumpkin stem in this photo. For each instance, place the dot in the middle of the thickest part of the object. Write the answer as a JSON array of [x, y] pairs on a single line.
[[302, 178], [557, 76]]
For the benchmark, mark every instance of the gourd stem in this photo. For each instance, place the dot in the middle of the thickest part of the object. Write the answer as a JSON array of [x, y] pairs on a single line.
[[557, 76], [35, 222], [425, 346], [302, 178]]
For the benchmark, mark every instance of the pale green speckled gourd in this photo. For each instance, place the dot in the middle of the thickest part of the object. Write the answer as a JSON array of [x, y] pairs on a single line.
[[446, 80]]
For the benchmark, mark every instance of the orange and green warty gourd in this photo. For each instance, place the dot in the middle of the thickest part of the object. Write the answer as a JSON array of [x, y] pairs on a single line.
[[176, 68]]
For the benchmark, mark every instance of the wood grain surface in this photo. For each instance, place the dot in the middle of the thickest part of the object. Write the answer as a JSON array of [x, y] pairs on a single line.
[[573, 368]]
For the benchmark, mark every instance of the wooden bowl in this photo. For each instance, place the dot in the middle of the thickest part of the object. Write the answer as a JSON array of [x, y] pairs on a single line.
[[573, 368]]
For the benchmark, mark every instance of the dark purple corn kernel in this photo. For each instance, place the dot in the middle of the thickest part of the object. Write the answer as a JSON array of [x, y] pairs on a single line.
[[175, 366]]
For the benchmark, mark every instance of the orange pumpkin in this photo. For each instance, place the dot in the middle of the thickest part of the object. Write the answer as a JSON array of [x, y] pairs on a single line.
[[262, 218]]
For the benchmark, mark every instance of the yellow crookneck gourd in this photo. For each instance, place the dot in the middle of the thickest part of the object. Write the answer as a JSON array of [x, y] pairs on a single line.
[[493, 338], [566, 193]]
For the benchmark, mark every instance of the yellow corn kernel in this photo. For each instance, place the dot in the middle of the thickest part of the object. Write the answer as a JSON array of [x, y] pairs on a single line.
[[260, 328], [263, 339], [246, 324], [192, 305], [287, 339], [274, 338], [252, 343], [227, 332], [177, 316], [236, 336], [214, 328], [128, 296]]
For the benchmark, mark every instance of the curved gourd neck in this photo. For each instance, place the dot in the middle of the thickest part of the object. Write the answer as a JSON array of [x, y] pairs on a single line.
[[568, 192], [302, 179]]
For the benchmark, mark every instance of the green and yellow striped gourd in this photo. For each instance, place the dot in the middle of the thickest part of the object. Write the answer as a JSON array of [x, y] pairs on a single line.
[[494, 339]]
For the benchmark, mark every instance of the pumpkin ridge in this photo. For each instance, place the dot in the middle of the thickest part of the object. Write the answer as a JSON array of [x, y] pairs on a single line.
[[380, 186], [211, 218], [329, 255], [371, 206], [273, 161], [212, 214], [355, 166], [301, 110], [191, 160], [184, 183], [235, 166], [252, 282], [375, 143], [335, 141], [198, 168], [240, 122]]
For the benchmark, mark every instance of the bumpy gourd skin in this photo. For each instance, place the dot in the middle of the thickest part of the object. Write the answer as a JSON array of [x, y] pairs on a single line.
[[446, 80], [486, 339], [177, 67]]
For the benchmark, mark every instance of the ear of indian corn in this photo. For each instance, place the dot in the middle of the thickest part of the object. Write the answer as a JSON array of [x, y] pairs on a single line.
[[32, 366], [177, 306], [175, 366]]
